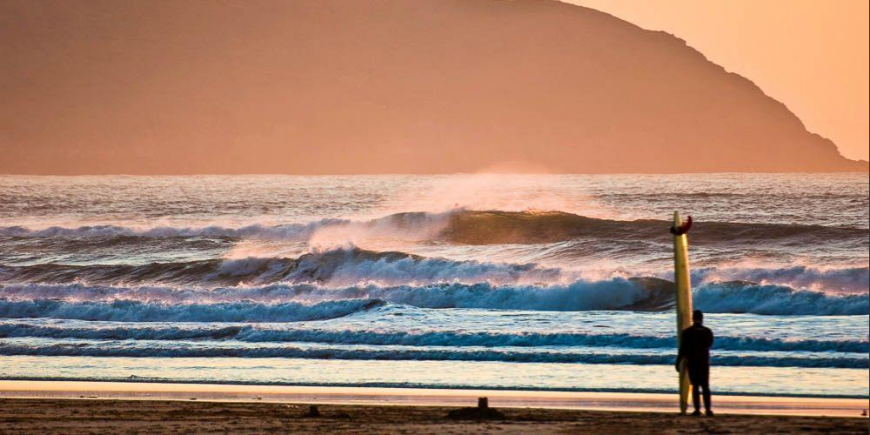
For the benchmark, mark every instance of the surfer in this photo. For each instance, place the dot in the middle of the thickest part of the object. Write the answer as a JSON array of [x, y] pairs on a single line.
[[695, 348]]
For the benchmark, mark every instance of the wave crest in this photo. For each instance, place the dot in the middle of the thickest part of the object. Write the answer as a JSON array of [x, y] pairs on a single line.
[[252, 333], [741, 297], [258, 303], [138, 311], [398, 353], [473, 227]]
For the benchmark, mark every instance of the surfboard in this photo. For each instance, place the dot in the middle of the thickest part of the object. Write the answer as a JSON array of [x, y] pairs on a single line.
[[684, 299]]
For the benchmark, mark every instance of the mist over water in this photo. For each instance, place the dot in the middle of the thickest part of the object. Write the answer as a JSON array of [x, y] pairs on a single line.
[[449, 270]]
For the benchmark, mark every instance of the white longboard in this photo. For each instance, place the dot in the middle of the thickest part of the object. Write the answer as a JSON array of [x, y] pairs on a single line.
[[684, 300]]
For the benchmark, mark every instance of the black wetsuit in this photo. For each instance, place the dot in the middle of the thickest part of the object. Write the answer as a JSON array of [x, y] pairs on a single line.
[[695, 348]]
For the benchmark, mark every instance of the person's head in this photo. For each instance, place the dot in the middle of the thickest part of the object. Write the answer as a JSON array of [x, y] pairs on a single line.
[[698, 317]]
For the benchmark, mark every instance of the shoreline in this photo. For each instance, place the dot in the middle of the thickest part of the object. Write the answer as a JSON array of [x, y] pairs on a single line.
[[403, 387], [422, 397]]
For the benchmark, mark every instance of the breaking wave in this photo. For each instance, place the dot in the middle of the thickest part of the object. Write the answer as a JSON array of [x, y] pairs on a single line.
[[737, 297], [271, 334], [294, 302], [257, 231], [847, 279], [342, 268], [337, 267], [398, 353], [153, 303], [137, 311], [476, 228]]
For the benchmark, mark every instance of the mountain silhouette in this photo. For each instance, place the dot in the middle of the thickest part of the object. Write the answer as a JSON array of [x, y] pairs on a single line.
[[375, 86]]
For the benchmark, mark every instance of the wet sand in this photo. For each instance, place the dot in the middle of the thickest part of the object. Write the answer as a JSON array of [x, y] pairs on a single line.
[[647, 402], [69, 407], [104, 416]]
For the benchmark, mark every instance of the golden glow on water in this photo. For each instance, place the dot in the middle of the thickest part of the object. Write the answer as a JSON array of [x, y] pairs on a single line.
[[435, 374]]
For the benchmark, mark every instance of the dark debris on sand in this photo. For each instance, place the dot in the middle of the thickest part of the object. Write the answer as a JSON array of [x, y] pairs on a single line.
[[481, 412]]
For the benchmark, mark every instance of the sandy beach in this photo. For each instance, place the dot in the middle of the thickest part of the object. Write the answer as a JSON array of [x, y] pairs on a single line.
[[50, 416], [93, 407]]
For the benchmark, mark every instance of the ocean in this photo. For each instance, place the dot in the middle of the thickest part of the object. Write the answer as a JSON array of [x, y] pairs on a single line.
[[528, 282]]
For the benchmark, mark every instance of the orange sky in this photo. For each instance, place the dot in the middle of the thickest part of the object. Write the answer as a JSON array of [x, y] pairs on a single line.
[[810, 54], [349, 86]]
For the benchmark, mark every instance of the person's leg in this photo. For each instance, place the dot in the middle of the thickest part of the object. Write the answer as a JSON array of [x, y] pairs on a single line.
[[695, 379], [708, 404]]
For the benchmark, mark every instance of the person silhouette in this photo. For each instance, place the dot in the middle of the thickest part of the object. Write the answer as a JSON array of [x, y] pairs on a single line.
[[695, 349]]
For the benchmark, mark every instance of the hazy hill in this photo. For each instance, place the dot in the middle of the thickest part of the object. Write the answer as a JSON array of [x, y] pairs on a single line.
[[374, 86]]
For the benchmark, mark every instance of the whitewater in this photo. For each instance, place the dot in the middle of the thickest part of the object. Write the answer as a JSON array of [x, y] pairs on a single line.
[[540, 282]]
